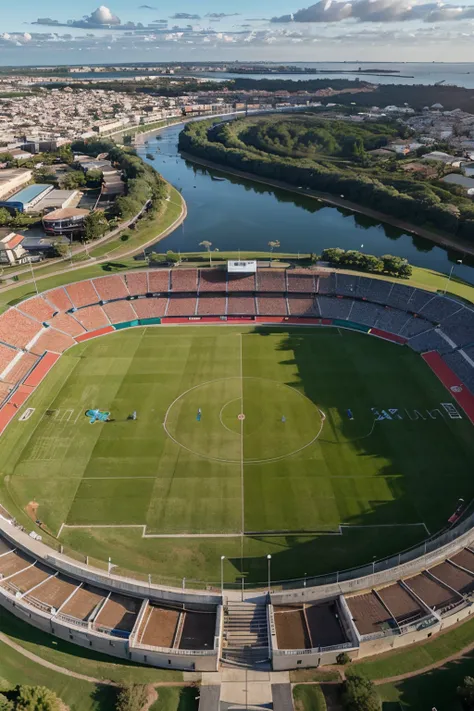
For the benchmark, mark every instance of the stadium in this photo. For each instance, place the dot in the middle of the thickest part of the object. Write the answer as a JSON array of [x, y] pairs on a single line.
[[257, 466]]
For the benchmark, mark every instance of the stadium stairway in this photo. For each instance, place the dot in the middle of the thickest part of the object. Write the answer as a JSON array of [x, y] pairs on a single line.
[[245, 634]]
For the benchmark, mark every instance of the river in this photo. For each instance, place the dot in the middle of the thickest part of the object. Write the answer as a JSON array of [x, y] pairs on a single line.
[[233, 214]]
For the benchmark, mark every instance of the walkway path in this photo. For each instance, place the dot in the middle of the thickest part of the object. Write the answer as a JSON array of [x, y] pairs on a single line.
[[61, 670], [436, 665], [92, 262]]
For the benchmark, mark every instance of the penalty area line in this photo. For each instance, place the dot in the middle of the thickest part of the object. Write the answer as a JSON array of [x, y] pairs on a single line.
[[143, 529]]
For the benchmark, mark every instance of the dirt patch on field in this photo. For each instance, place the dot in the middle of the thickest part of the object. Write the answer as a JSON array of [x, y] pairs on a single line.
[[32, 511]]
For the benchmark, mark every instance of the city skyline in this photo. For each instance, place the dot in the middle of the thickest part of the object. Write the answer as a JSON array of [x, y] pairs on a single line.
[[275, 30]]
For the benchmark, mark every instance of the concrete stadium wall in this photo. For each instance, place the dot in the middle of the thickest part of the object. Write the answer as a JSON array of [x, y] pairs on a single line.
[[319, 592], [97, 577]]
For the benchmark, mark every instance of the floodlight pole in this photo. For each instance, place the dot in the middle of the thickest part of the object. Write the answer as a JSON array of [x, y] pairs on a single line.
[[458, 261], [269, 559], [222, 574], [33, 275]]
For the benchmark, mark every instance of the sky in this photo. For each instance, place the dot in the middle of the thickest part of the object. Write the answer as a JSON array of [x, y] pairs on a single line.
[[50, 32]]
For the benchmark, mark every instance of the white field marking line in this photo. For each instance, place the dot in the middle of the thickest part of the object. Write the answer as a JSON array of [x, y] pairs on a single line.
[[337, 531], [220, 415], [387, 525], [144, 527], [237, 461]]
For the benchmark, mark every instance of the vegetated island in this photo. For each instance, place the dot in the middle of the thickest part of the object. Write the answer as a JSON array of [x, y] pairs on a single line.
[[334, 157]]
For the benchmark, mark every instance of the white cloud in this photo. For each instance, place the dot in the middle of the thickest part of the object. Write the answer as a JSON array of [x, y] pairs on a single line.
[[378, 11]]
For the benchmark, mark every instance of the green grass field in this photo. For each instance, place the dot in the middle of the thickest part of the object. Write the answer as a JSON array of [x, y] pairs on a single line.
[[169, 495]]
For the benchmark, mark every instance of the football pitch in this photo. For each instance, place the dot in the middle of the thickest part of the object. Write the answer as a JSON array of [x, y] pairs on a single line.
[[322, 447]]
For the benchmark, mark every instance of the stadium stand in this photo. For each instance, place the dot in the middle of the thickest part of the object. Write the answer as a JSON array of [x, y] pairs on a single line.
[[84, 602], [92, 317], [53, 340], [181, 305], [404, 607], [274, 305], [459, 327], [323, 624], [111, 287], [158, 626], [67, 324], [37, 308], [21, 368], [16, 329], [379, 290], [330, 307], [302, 306], [184, 280], [210, 305], [120, 311], [434, 594], [239, 282], [212, 280], [465, 559], [414, 326], [198, 630], [301, 282], [291, 628], [347, 284], [449, 574], [6, 356], [463, 369], [369, 614], [429, 341], [118, 613], [419, 299], [158, 281], [327, 283], [241, 306], [59, 299], [391, 320], [150, 308], [365, 313], [27, 579], [440, 308], [137, 283], [271, 280], [82, 293], [54, 591], [5, 390], [13, 562], [399, 296]]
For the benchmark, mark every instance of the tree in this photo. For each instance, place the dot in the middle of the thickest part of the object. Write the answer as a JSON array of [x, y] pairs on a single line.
[[5, 703], [37, 698], [73, 180], [466, 693], [172, 257], [61, 249], [396, 265], [360, 694], [5, 216], [131, 697], [95, 226], [274, 244], [343, 658], [94, 177], [156, 259], [207, 245]]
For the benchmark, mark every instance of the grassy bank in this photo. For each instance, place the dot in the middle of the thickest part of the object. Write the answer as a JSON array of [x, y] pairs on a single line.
[[74, 659]]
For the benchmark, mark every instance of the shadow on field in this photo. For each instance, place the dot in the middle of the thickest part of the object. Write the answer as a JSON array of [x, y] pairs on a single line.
[[401, 464]]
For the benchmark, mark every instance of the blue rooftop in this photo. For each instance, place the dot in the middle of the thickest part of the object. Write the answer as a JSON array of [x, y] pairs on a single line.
[[27, 194]]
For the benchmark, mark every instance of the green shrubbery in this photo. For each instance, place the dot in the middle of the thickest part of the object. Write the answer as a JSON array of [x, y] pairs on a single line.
[[352, 259], [30, 698]]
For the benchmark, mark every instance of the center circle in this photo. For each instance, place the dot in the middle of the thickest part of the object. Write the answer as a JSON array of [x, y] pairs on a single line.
[[246, 420]]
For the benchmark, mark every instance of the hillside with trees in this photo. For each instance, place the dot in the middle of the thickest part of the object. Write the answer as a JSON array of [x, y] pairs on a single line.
[[334, 157]]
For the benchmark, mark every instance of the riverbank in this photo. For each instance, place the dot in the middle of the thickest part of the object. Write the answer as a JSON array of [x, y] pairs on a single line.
[[333, 201]]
